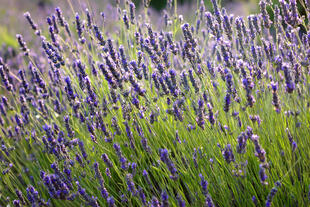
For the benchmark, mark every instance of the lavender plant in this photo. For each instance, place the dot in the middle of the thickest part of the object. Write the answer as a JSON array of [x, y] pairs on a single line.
[[208, 113]]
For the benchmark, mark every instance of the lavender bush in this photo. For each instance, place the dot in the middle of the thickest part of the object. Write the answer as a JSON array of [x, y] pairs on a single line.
[[209, 113]]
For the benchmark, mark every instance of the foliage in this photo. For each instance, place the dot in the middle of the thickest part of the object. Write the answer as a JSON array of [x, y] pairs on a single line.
[[116, 111]]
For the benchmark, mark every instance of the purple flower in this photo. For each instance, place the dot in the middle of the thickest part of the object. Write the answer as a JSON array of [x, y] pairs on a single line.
[[259, 151], [272, 193], [69, 89], [122, 159], [129, 135], [82, 148], [90, 200], [164, 199], [133, 168], [171, 167], [290, 85], [242, 139], [111, 201], [108, 172], [254, 200], [60, 17], [275, 98], [79, 27], [262, 174], [99, 177], [146, 176], [181, 202], [20, 196], [22, 44], [106, 160], [125, 19], [228, 154], [130, 184], [292, 141], [142, 195], [227, 101], [155, 202], [204, 184], [16, 203]]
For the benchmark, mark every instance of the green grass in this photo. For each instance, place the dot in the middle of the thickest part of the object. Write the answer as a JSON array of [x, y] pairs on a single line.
[[291, 168]]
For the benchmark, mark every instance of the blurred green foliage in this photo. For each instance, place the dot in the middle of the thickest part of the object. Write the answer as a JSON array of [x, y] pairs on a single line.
[[7, 38]]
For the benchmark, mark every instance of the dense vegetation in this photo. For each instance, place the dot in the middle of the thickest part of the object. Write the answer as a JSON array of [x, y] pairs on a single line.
[[121, 112]]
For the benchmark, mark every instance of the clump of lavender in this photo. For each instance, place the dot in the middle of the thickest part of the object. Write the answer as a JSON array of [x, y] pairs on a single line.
[[22, 44], [5, 80], [122, 159], [204, 187], [106, 160], [262, 174], [88, 199], [259, 151], [34, 198], [275, 97], [164, 156], [80, 28], [99, 177], [272, 193], [200, 114], [255, 118], [290, 84], [84, 85], [32, 24], [20, 197], [242, 142], [228, 154], [164, 199], [211, 114], [131, 185], [292, 141]]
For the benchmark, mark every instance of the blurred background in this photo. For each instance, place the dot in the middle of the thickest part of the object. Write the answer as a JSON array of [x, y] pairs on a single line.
[[12, 20]]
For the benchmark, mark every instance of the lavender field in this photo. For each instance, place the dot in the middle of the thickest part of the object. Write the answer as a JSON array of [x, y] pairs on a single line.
[[189, 106]]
